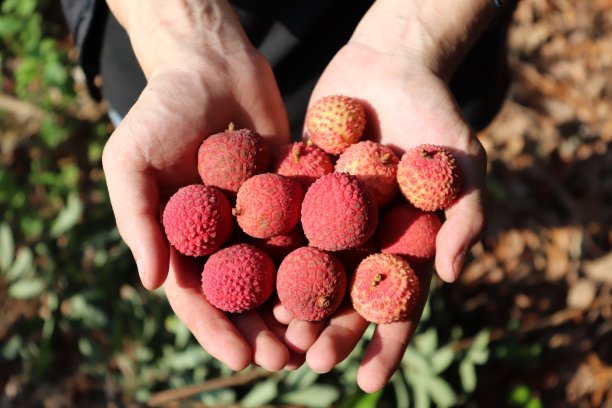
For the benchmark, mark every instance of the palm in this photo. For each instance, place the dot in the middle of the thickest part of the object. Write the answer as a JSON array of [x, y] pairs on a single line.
[[153, 153], [407, 105]]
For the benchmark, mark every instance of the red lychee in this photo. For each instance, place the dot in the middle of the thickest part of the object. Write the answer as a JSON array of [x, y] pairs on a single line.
[[338, 213], [410, 232], [310, 283], [302, 162], [197, 219], [268, 204], [375, 165], [384, 289], [334, 122], [279, 246], [428, 176], [227, 159], [238, 278]]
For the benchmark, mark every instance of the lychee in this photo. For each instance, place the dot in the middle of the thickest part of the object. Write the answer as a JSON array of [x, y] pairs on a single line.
[[197, 219], [338, 213], [227, 159], [310, 283], [375, 165], [302, 162], [238, 278], [334, 122], [428, 177], [410, 232], [268, 204], [351, 257], [279, 246], [384, 289]]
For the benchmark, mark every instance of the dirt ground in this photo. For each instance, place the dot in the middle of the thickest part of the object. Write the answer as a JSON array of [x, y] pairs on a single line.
[[545, 261]]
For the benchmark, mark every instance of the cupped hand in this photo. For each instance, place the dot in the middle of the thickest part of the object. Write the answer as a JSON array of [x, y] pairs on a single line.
[[407, 105], [153, 153]]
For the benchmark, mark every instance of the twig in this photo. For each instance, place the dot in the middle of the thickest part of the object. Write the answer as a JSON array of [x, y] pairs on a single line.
[[164, 397], [23, 111]]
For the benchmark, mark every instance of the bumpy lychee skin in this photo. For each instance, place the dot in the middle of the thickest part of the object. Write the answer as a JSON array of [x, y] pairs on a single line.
[[375, 165], [334, 122], [310, 283], [410, 232], [227, 159], [428, 176], [302, 162], [279, 246], [384, 289], [338, 213], [268, 204], [197, 220], [238, 278]]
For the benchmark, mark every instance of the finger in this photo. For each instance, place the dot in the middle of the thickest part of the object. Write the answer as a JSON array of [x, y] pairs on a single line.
[[135, 202], [337, 340], [465, 219], [268, 351], [301, 334], [281, 314], [296, 359], [389, 341], [461, 230], [210, 326]]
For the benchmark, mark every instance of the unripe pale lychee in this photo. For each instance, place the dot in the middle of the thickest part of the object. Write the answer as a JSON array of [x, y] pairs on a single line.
[[197, 219], [338, 213], [227, 159], [384, 289], [302, 162], [334, 122], [268, 204], [310, 283], [238, 278], [375, 165], [410, 232], [428, 177]]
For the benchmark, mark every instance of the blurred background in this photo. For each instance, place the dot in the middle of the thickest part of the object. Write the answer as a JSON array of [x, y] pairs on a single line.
[[529, 324]]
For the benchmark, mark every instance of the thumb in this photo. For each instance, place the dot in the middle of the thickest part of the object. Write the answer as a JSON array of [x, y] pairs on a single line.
[[134, 196]]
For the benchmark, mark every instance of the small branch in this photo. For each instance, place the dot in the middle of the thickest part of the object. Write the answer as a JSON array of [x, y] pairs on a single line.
[[164, 397]]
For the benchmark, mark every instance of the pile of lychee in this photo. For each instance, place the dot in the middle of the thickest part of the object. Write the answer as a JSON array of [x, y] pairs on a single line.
[[317, 223]]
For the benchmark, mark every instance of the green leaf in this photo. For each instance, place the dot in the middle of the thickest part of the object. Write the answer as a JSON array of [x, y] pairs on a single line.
[[261, 393], [441, 393], [318, 395], [10, 349], [442, 359], [415, 363], [9, 26], [23, 267], [68, 216], [478, 356], [402, 398], [421, 396], [369, 400], [303, 377], [520, 395], [7, 247], [481, 342], [467, 375], [427, 342], [26, 289]]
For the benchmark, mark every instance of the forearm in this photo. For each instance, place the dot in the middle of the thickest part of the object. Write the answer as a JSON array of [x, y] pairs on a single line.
[[166, 31], [436, 32]]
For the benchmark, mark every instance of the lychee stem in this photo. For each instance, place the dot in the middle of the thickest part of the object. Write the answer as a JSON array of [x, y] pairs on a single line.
[[384, 159], [427, 154], [295, 154], [231, 127], [376, 280], [324, 302], [235, 212], [309, 142]]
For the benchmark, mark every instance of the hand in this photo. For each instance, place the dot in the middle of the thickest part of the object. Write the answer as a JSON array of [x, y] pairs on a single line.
[[201, 75], [408, 103]]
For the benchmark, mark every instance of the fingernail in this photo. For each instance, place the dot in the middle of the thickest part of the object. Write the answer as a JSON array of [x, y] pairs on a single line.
[[141, 270], [458, 264]]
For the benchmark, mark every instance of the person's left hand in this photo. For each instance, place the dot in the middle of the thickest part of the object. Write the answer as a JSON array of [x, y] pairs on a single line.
[[407, 104]]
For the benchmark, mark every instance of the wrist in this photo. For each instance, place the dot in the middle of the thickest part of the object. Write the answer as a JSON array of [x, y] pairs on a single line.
[[425, 31], [165, 33]]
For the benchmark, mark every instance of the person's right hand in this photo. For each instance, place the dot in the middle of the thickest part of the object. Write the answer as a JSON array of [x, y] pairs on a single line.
[[202, 74]]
